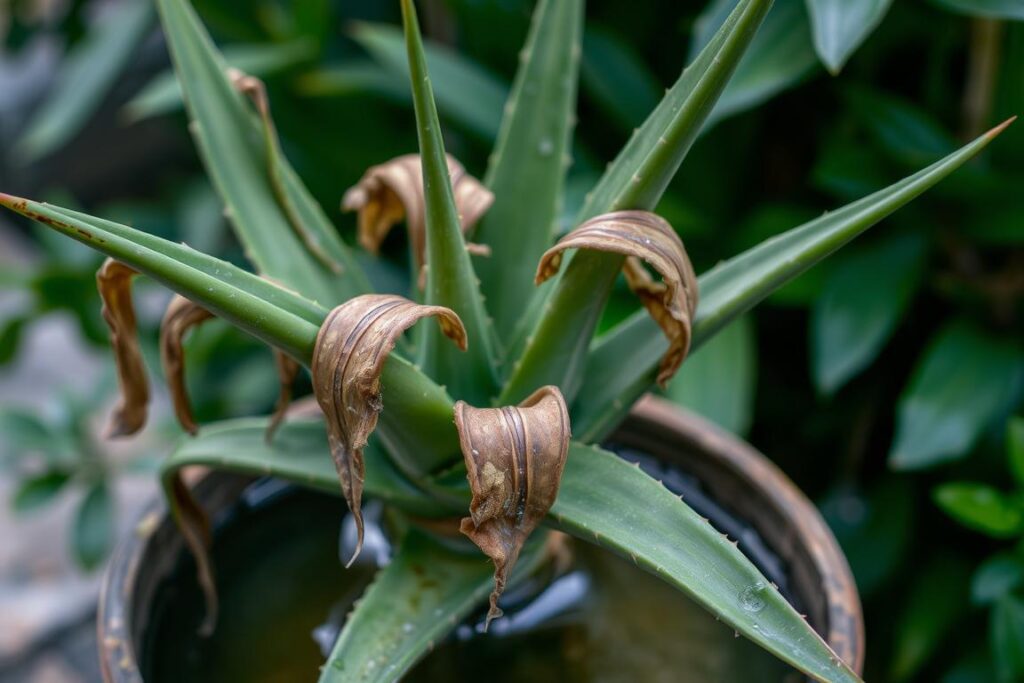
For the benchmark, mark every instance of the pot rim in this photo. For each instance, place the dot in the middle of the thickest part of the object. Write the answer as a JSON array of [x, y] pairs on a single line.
[[794, 529]]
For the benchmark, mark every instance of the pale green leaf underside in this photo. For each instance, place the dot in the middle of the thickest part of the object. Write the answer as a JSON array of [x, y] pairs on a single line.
[[421, 595], [732, 288]]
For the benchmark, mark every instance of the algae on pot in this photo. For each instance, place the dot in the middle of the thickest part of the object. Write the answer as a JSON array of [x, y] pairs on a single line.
[[506, 387]]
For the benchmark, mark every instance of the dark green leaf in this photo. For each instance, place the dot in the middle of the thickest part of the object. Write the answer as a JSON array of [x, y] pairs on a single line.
[[997, 576], [965, 381], [1007, 635], [529, 160], [23, 432], [93, 533], [10, 338], [936, 600], [1015, 447], [982, 508], [85, 77], [907, 133], [616, 77], [840, 26], [780, 56], [38, 491], [718, 381], [864, 298]]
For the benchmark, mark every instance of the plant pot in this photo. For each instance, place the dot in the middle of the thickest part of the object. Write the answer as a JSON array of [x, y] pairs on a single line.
[[723, 478]]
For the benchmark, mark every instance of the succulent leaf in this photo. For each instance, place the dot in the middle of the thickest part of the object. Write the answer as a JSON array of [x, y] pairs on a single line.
[[180, 317], [114, 281], [451, 281], [733, 287]]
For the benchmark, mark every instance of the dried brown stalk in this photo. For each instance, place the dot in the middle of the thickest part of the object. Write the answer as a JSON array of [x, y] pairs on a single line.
[[514, 460], [390, 191], [642, 236], [348, 359], [287, 370], [194, 524], [114, 282]]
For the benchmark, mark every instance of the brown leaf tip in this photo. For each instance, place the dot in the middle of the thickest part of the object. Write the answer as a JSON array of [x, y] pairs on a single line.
[[348, 359], [391, 191], [642, 237], [114, 282], [514, 460]]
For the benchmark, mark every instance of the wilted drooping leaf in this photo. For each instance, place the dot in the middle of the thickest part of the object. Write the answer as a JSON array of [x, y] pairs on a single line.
[[642, 236], [514, 460], [180, 317], [391, 191], [351, 348], [114, 281], [194, 525]]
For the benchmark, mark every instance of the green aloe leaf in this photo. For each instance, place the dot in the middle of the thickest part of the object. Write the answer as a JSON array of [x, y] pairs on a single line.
[[398, 621], [86, 75], [732, 288], [451, 281], [465, 93], [718, 381], [555, 352], [840, 26], [298, 454], [607, 501], [965, 382], [268, 312], [530, 160], [863, 299], [162, 95], [234, 150]]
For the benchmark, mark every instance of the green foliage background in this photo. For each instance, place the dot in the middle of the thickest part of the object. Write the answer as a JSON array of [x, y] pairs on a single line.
[[883, 381]]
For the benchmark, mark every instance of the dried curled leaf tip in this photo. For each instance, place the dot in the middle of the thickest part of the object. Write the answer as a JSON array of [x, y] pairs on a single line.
[[180, 317], [114, 282], [514, 460], [348, 359], [642, 236], [390, 191]]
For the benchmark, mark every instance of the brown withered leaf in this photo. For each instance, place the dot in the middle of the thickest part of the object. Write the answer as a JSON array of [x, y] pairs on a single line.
[[287, 370], [256, 91], [180, 317], [390, 191], [114, 282], [514, 460], [194, 525], [642, 236], [351, 348]]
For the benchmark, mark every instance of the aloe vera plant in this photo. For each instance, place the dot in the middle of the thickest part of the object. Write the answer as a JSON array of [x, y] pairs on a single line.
[[508, 391]]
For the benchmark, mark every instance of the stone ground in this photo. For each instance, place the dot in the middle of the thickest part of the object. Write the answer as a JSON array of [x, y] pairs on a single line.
[[47, 604]]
